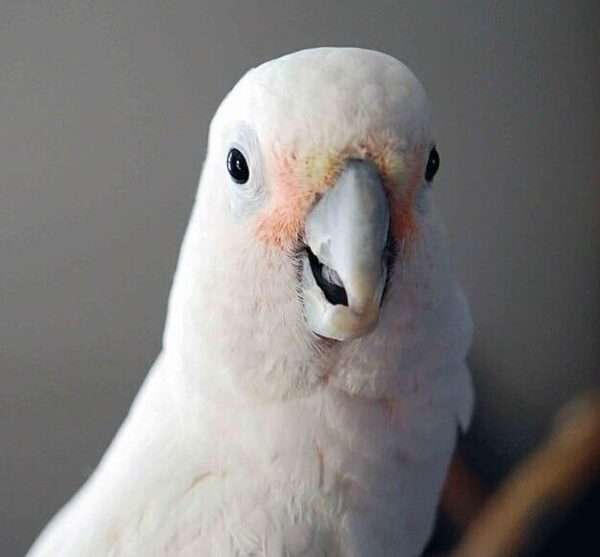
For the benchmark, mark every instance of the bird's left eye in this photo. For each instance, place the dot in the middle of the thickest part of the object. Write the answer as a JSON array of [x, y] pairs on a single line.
[[237, 166], [432, 164]]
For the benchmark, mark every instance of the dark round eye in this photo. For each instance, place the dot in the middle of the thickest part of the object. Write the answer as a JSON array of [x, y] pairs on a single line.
[[432, 164], [237, 166]]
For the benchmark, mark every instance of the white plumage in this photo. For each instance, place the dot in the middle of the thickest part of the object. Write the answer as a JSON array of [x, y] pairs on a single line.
[[252, 435]]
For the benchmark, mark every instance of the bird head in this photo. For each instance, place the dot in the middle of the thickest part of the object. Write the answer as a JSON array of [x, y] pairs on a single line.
[[314, 237], [319, 160]]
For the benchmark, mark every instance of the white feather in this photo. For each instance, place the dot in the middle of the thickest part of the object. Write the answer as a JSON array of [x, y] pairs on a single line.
[[250, 436]]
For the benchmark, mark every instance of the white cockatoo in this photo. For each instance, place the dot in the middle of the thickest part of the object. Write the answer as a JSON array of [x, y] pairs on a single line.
[[313, 377]]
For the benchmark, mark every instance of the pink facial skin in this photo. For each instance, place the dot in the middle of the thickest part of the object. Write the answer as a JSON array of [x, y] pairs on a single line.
[[301, 180]]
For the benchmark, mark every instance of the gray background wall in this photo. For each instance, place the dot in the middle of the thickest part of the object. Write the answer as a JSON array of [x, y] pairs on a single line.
[[104, 108]]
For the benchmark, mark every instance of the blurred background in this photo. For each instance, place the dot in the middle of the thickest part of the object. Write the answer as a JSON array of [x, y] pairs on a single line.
[[104, 111]]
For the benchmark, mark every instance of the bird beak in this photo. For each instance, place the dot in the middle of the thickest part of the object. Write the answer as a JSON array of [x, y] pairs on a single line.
[[344, 269]]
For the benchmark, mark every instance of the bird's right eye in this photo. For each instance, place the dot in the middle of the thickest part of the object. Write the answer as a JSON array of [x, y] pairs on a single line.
[[237, 166]]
